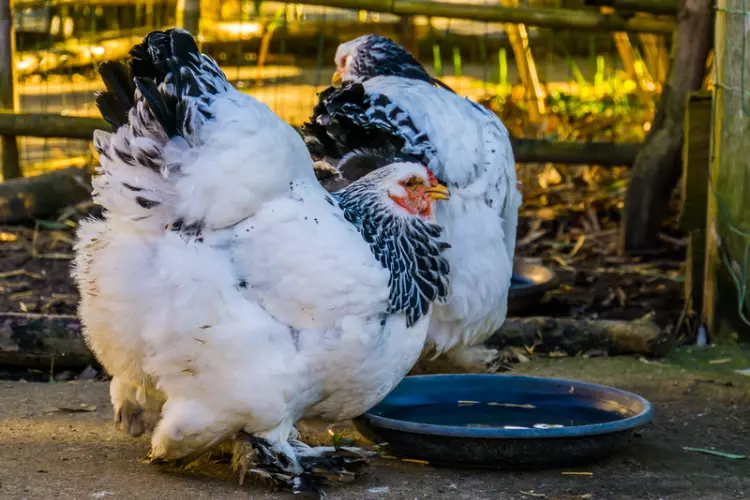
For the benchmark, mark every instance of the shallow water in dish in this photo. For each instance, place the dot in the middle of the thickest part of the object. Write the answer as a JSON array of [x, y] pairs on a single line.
[[499, 415]]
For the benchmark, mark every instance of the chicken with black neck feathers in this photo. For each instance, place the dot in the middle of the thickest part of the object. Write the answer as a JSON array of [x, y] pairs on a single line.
[[383, 98], [227, 293]]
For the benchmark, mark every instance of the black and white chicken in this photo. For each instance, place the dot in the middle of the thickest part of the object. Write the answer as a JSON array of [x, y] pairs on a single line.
[[226, 291], [383, 97]]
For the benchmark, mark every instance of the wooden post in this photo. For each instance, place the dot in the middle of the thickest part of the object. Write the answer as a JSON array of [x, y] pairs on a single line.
[[657, 168], [728, 217], [696, 165], [11, 167], [189, 16]]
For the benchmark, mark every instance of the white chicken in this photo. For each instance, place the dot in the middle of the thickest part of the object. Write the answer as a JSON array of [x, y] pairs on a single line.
[[389, 100], [226, 291]]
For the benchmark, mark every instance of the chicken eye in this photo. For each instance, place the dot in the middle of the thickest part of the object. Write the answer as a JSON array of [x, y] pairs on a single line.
[[413, 182]]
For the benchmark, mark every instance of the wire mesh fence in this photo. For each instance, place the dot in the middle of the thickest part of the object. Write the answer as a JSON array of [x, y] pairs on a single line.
[[591, 85], [730, 176]]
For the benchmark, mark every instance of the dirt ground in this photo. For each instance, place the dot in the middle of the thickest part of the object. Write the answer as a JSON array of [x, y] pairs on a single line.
[[46, 453]]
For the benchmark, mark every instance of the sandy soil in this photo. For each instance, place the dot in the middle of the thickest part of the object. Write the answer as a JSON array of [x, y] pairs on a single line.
[[46, 453]]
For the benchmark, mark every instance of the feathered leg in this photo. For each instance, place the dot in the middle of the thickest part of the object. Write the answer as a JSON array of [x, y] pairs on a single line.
[[293, 464], [136, 408], [187, 430]]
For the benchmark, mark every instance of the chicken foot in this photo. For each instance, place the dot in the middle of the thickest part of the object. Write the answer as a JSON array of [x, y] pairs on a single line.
[[135, 411], [295, 465]]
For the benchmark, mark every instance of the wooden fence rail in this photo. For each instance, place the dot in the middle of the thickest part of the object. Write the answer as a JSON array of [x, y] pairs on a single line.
[[49, 125], [661, 7], [526, 150], [530, 16]]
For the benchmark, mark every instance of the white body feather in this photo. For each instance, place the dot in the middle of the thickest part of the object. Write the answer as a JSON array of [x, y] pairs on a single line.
[[476, 160], [257, 323]]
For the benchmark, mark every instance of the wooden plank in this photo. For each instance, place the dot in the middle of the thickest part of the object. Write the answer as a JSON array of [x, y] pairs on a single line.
[[696, 153], [9, 159], [696, 163]]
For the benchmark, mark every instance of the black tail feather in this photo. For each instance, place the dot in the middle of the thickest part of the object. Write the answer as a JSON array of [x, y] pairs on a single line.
[[148, 58], [115, 103], [158, 105], [168, 57]]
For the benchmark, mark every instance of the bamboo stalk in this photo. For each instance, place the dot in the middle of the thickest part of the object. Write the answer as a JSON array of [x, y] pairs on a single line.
[[663, 7], [519, 41], [656, 55], [633, 67], [9, 161], [543, 17]]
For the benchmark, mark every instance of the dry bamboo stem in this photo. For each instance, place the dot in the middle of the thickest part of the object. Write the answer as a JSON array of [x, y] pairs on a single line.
[[656, 55], [637, 72], [519, 41]]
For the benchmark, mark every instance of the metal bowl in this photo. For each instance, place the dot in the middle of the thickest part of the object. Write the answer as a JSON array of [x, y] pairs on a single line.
[[434, 418], [528, 285]]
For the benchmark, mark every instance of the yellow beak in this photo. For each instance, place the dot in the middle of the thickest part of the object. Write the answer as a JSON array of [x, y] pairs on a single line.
[[439, 192], [336, 79]]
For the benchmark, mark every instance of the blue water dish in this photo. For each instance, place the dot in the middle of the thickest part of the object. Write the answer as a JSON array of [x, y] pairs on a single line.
[[504, 421]]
